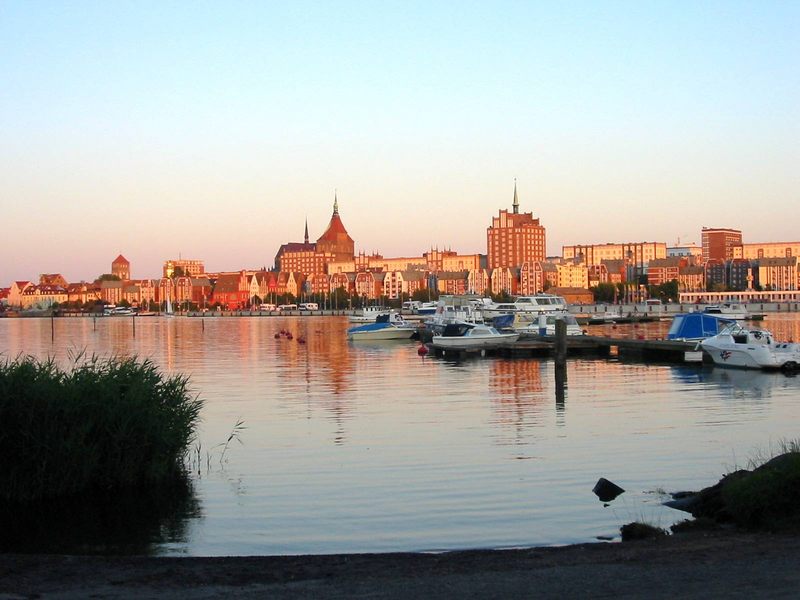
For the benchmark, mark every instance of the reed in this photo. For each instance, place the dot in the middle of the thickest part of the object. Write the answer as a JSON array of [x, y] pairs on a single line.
[[101, 425]]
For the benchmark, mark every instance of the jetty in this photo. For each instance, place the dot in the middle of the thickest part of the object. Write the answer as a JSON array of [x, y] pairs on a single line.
[[672, 351]]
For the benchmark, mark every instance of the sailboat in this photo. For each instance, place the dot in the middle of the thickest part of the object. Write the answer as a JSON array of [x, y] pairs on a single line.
[[168, 309]]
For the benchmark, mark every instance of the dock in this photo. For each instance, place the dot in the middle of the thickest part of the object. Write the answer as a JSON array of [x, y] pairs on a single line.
[[544, 346]]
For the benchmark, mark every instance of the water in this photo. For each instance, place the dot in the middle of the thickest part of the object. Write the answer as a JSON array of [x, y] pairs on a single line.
[[369, 448]]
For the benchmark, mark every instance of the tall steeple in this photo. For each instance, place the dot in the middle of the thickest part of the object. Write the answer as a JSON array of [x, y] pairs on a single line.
[[515, 205], [335, 203], [306, 236]]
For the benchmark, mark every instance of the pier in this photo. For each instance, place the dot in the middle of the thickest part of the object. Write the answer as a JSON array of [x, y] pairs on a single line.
[[539, 346]]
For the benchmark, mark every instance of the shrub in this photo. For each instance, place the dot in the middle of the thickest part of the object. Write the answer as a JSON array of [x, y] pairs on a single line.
[[767, 497], [103, 425]]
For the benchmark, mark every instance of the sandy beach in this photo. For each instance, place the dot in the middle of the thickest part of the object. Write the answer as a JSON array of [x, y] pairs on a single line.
[[697, 564]]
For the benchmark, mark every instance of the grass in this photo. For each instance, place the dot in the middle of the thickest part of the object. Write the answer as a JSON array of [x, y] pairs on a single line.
[[100, 426]]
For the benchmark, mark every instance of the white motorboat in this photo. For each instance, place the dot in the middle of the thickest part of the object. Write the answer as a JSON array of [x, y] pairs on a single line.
[[549, 325], [527, 308], [466, 336], [736, 346], [368, 314], [728, 310], [389, 326]]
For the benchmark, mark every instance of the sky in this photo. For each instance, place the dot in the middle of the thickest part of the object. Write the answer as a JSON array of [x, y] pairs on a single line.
[[213, 130]]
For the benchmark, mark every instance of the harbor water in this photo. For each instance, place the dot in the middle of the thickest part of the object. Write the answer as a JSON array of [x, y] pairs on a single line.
[[368, 447]]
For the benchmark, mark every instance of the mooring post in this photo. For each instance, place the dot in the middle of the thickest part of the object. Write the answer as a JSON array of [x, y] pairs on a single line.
[[561, 342], [133, 318], [52, 327], [94, 323], [203, 323]]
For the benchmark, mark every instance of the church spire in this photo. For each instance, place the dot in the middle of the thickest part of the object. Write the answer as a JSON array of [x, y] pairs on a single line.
[[515, 205], [306, 237], [335, 203]]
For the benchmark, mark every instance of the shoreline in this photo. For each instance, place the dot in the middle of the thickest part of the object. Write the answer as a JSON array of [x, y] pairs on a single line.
[[719, 563]]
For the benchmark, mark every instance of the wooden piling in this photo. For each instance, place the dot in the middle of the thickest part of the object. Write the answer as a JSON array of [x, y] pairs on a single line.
[[52, 327], [560, 349], [133, 318]]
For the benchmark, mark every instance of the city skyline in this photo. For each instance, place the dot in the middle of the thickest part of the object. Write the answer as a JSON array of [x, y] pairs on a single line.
[[215, 132]]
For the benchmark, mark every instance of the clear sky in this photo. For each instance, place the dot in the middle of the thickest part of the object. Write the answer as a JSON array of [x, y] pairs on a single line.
[[215, 129]]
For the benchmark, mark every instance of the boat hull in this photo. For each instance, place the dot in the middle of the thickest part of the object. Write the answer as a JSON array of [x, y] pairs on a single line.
[[470, 342], [389, 333]]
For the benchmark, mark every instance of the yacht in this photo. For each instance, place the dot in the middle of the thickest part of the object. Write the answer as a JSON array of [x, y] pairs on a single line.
[[549, 326], [737, 346], [368, 314], [527, 308]]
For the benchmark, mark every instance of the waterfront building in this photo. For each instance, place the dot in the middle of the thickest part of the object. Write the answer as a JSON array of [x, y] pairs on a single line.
[[685, 250], [546, 275], [84, 293], [776, 274], [4, 292], [504, 280], [719, 243], [121, 268], [318, 283], [715, 275], [344, 281], [664, 270], [597, 274], [573, 295], [53, 279], [334, 245], [767, 250], [691, 278], [201, 291], [738, 274], [572, 275], [192, 268], [514, 238], [454, 283], [637, 255], [396, 283], [368, 285], [233, 291], [15, 292], [616, 271], [111, 291], [478, 281], [42, 296]]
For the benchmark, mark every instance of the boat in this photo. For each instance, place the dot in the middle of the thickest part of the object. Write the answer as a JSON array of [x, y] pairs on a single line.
[[737, 346], [389, 326], [548, 327], [368, 314], [452, 310], [467, 336], [426, 308], [696, 326], [168, 308], [528, 308], [728, 310]]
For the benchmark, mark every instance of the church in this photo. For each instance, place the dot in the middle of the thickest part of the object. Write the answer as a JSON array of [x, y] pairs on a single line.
[[335, 245]]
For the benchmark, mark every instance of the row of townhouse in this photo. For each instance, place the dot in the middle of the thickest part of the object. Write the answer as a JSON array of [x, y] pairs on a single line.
[[737, 274]]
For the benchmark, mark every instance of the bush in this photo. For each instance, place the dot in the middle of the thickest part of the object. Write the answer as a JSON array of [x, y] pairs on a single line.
[[767, 497], [101, 426]]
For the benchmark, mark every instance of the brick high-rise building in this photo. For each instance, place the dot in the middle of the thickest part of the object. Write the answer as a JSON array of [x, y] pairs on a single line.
[[514, 238], [720, 243]]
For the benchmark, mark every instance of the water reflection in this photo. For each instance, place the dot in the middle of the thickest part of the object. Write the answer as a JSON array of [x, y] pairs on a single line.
[[127, 522], [369, 447]]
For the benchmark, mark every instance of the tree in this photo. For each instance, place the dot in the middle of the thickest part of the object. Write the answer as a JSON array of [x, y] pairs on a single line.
[[177, 272], [107, 277], [604, 292]]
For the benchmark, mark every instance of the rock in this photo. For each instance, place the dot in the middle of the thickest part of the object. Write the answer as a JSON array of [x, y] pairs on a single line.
[[606, 490]]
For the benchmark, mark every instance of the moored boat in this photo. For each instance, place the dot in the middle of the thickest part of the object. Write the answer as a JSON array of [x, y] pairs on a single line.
[[389, 326], [526, 308], [548, 327], [466, 336], [737, 346], [368, 314], [729, 310]]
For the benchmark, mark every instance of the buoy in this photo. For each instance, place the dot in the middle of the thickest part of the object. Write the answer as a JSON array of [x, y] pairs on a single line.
[[277, 336], [422, 350], [301, 340]]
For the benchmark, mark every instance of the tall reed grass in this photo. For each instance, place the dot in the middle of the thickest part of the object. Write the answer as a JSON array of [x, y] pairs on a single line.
[[100, 426]]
